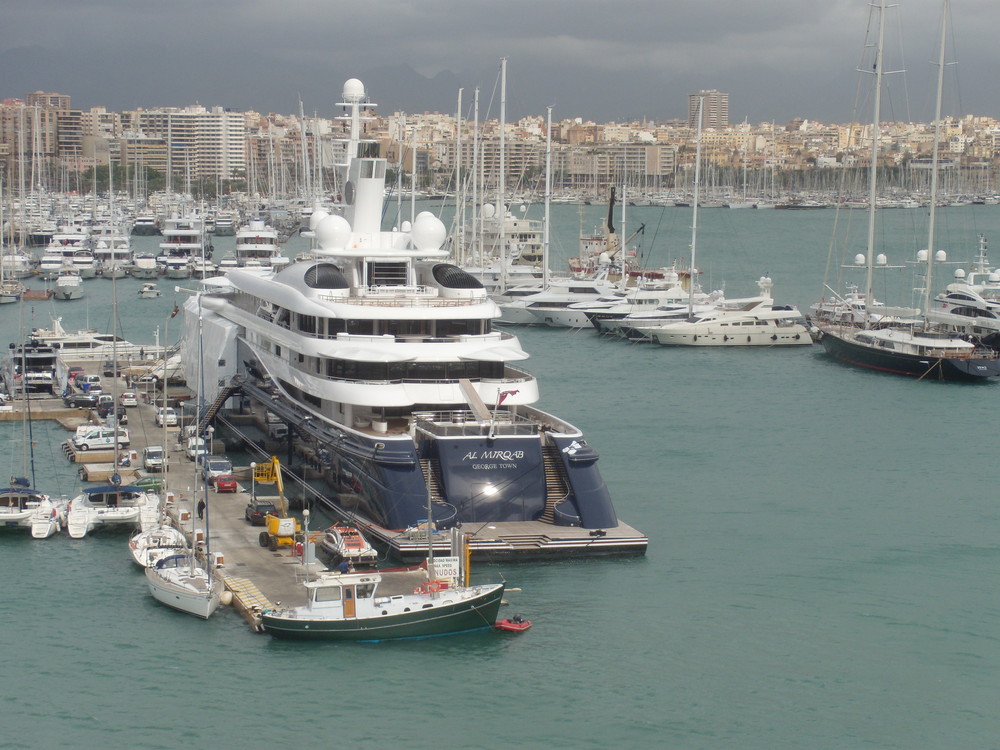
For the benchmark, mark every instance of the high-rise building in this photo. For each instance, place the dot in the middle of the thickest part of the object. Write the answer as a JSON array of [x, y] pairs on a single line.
[[203, 143], [47, 99], [715, 110]]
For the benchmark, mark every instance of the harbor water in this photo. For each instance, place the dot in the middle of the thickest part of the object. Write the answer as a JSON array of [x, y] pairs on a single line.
[[822, 546]]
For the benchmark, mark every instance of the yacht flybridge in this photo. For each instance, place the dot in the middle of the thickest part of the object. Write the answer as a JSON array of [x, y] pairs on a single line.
[[380, 355]]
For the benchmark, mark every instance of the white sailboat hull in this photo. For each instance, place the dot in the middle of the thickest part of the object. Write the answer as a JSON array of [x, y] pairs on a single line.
[[185, 589]]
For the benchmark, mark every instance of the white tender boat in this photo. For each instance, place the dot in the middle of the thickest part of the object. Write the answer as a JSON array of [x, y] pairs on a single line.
[[346, 543], [149, 290]]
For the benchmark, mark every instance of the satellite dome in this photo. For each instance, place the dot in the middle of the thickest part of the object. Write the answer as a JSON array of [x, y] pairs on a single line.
[[940, 256], [354, 90], [922, 256], [959, 273], [333, 232], [881, 259], [428, 232], [859, 259], [316, 217], [488, 210]]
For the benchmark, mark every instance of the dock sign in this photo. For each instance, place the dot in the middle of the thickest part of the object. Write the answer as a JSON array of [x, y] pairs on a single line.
[[446, 567]]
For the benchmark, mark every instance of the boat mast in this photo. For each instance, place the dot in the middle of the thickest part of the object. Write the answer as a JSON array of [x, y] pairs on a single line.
[[934, 160], [694, 210], [873, 168], [501, 204], [459, 185], [548, 197]]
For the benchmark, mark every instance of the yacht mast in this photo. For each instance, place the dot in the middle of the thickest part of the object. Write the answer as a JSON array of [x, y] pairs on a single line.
[[548, 197], [501, 202], [873, 168], [934, 160], [694, 210]]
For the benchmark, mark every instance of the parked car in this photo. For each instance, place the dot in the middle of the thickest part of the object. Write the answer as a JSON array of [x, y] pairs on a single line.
[[85, 382], [80, 400], [214, 466], [166, 416], [129, 399], [73, 372], [104, 410], [225, 483], [149, 483], [256, 511]]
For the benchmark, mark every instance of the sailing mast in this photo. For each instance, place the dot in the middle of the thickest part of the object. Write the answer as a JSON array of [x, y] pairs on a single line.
[[873, 168], [694, 210], [548, 197], [934, 161]]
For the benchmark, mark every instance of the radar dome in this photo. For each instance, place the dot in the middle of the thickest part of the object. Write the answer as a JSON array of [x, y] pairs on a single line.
[[881, 260], [333, 233], [922, 256], [959, 273], [354, 90], [994, 277], [859, 259], [488, 210], [940, 256], [316, 217], [428, 231]]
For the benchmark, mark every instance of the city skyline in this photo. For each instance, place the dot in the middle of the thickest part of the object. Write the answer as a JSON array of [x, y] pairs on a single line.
[[777, 59]]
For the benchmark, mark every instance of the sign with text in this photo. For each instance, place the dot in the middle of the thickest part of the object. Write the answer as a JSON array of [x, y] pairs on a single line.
[[446, 567]]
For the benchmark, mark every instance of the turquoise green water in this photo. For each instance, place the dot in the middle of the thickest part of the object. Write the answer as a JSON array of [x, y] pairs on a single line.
[[823, 547]]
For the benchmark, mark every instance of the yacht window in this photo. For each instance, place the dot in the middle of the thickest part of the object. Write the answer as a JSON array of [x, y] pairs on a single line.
[[362, 327], [307, 323]]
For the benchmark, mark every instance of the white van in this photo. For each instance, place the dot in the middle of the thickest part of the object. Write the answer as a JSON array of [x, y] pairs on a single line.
[[154, 458], [276, 429], [97, 437], [195, 447]]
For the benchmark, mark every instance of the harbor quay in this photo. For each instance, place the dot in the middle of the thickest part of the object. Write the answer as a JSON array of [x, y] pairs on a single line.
[[257, 578]]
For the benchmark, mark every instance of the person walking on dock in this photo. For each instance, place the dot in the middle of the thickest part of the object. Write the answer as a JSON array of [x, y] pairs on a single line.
[[201, 509]]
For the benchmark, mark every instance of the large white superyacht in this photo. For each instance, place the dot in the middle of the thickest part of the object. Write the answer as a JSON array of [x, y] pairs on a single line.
[[381, 357]]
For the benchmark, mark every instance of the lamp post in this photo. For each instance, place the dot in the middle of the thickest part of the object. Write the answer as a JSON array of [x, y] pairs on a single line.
[[305, 542], [253, 481]]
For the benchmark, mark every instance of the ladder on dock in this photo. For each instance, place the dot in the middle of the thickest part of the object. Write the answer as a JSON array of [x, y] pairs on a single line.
[[224, 395]]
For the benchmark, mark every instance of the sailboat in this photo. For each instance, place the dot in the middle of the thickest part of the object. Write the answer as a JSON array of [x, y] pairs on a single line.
[[21, 506], [11, 288], [181, 580], [917, 349]]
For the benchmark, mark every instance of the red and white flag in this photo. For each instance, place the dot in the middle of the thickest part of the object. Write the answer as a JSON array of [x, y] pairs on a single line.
[[504, 394]]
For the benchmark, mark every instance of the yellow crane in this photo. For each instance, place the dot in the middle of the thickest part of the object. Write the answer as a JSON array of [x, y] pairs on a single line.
[[281, 530]]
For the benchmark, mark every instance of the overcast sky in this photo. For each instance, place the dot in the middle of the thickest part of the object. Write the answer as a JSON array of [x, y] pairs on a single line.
[[597, 59]]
